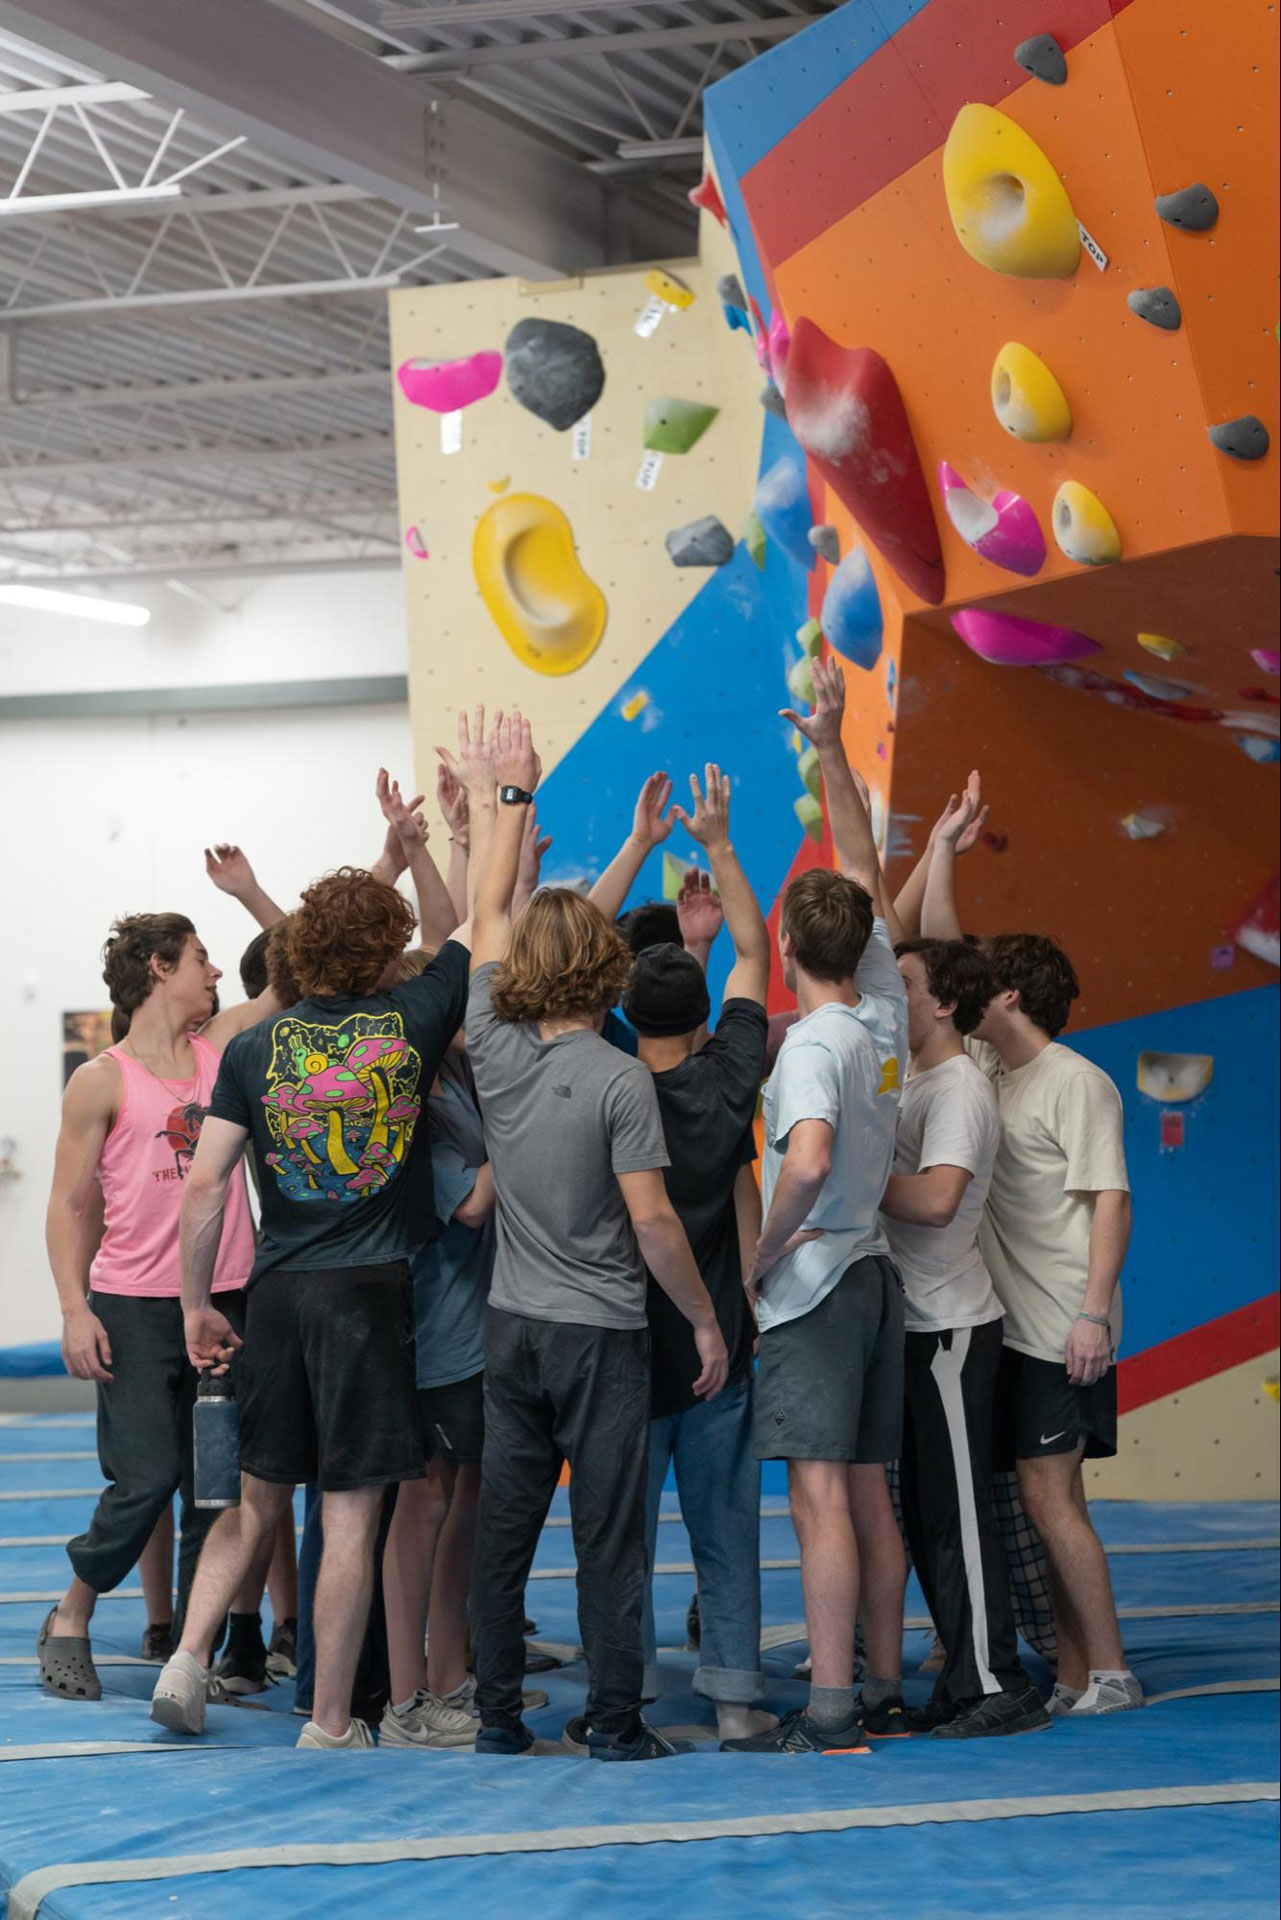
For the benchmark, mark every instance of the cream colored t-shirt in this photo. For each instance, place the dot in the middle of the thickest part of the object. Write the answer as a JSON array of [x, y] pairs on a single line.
[[1061, 1143]]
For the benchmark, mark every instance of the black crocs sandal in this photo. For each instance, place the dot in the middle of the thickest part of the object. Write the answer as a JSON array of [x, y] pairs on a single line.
[[66, 1665]]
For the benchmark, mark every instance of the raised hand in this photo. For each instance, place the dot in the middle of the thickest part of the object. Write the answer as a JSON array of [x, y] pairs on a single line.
[[516, 764], [451, 797], [699, 912], [709, 822], [473, 764], [822, 727], [963, 818], [401, 815], [533, 846], [649, 828], [230, 871]]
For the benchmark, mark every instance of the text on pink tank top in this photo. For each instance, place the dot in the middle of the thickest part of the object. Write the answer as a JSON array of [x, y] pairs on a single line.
[[142, 1168]]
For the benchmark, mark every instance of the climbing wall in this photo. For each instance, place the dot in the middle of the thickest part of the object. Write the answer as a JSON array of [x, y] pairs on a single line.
[[1040, 413]]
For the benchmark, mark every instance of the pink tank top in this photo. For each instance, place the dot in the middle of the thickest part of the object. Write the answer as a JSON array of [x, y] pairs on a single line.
[[143, 1164]]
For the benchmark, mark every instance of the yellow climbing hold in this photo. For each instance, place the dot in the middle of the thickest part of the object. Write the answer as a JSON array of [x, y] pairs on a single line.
[[636, 705], [1162, 646], [890, 1081], [674, 872], [548, 611], [666, 287], [1174, 1076], [500, 486], [1026, 398], [811, 773], [1008, 206], [809, 812], [1083, 527], [1272, 1387]]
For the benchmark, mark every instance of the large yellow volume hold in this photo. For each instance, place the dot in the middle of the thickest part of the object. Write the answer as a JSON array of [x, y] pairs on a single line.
[[1083, 527], [1026, 398], [1008, 206], [548, 611]]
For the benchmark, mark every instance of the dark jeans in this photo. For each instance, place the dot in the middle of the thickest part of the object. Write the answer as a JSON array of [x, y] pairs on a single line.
[[557, 1392], [951, 1523], [145, 1441]]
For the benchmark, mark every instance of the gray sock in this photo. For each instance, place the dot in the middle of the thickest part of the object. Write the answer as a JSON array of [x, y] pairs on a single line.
[[876, 1692], [832, 1706]]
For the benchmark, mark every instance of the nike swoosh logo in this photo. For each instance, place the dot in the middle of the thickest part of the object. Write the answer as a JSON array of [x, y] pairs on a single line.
[[1048, 1438]]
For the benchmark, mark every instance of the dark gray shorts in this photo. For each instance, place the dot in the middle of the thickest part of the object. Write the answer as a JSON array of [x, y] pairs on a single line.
[[830, 1385]]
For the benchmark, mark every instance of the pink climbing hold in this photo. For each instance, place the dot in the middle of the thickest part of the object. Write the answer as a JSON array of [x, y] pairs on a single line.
[[1266, 659], [446, 386], [416, 544], [1004, 530], [1007, 641], [780, 341], [845, 408], [706, 195], [1259, 929]]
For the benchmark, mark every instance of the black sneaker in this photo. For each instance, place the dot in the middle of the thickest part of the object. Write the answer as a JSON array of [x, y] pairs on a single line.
[[797, 1733], [243, 1667], [998, 1713], [574, 1738], [282, 1650], [157, 1640], [647, 1743], [538, 1662], [888, 1721], [693, 1626], [505, 1740], [529, 1627], [935, 1713]]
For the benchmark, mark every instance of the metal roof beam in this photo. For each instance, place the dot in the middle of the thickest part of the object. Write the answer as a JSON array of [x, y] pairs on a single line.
[[177, 393], [196, 456], [300, 93], [154, 304], [512, 53]]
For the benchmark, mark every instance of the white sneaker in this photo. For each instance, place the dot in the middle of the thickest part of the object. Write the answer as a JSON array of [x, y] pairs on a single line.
[[463, 1699], [428, 1723], [181, 1693], [357, 1735], [1110, 1693], [1062, 1700]]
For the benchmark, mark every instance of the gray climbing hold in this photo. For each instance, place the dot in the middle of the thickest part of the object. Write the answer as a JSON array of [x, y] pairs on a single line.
[[1042, 57], [703, 543], [1193, 208], [730, 289], [554, 370], [1157, 305], [1242, 439], [826, 542], [772, 400]]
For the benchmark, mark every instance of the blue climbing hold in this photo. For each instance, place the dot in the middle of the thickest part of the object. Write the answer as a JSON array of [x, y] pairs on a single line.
[[851, 616], [782, 506]]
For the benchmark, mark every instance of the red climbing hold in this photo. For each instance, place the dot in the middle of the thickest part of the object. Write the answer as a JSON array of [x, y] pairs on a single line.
[[707, 196], [844, 406]]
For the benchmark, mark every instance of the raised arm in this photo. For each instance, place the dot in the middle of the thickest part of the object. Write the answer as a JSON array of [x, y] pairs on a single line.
[[452, 801], [649, 830], [851, 827], [533, 846], [74, 1220], [666, 1252], [229, 869], [506, 758], [437, 917], [960, 822], [709, 825]]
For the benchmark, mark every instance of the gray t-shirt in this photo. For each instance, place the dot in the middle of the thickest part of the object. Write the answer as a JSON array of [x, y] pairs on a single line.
[[562, 1118]]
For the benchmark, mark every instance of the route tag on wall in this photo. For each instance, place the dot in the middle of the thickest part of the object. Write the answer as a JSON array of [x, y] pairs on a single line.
[[650, 468], [1172, 1132], [1093, 248], [650, 317], [451, 432], [580, 443]]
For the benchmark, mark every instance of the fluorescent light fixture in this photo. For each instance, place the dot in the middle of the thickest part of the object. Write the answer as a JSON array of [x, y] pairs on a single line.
[[115, 613]]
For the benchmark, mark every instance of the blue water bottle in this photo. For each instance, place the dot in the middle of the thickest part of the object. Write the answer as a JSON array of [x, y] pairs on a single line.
[[216, 1438]]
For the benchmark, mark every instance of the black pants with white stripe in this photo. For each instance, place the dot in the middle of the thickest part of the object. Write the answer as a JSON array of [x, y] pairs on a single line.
[[952, 1529]]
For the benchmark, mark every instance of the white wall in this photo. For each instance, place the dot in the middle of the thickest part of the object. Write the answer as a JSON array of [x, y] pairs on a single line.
[[102, 817]]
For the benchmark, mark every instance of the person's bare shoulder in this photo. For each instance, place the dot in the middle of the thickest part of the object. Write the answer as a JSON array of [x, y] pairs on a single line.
[[93, 1091]]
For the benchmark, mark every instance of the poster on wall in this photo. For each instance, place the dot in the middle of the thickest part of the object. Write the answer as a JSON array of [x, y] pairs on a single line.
[[84, 1037]]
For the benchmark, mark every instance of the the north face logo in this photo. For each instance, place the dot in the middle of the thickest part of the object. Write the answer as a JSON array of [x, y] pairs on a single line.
[[564, 1093], [780, 1419]]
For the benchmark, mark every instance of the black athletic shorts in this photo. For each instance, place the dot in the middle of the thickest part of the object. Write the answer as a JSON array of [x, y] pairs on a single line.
[[451, 1420], [829, 1385], [326, 1383], [1039, 1411]]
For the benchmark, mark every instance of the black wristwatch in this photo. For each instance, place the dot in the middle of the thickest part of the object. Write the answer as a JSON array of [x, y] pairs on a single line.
[[515, 797]]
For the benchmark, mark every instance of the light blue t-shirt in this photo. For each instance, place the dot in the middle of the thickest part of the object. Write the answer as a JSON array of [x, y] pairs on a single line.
[[452, 1274], [844, 1065]]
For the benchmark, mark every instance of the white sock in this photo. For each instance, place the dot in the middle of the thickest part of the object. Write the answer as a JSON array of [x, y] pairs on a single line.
[[1070, 1694], [401, 1708], [1110, 1673]]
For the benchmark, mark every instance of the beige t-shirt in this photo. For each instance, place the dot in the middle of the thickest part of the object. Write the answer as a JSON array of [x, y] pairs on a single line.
[[1061, 1143]]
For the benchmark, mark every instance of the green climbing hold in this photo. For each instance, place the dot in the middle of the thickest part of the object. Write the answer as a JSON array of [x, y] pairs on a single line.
[[674, 426], [754, 539], [809, 812], [808, 768], [809, 638], [800, 681]]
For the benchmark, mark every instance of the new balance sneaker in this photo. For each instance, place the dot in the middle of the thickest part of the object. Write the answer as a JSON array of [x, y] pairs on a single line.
[[997, 1713], [243, 1666], [647, 1743], [888, 1721], [157, 1640], [1062, 1700], [181, 1694], [505, 1740], [797, 1733], [282, 1650], [1109, 1693], [428, 1722], [574, 1738], [357, 1735]]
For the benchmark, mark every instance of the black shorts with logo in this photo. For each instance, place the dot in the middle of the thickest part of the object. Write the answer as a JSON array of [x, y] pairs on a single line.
[[326, 1380], [1039, 1411], [451, 1420]]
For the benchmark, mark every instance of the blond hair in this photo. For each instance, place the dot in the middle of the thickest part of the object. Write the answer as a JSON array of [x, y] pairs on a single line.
[[563, 959]]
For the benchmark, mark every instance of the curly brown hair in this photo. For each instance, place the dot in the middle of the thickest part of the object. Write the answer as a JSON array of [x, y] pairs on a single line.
[[278, 974], [829, 922], [344, 931], [564, 959], [126, 956], [1032, 966], [954, 972]]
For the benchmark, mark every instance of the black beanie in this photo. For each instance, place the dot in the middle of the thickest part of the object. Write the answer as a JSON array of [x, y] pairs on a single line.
[[668, 993]]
